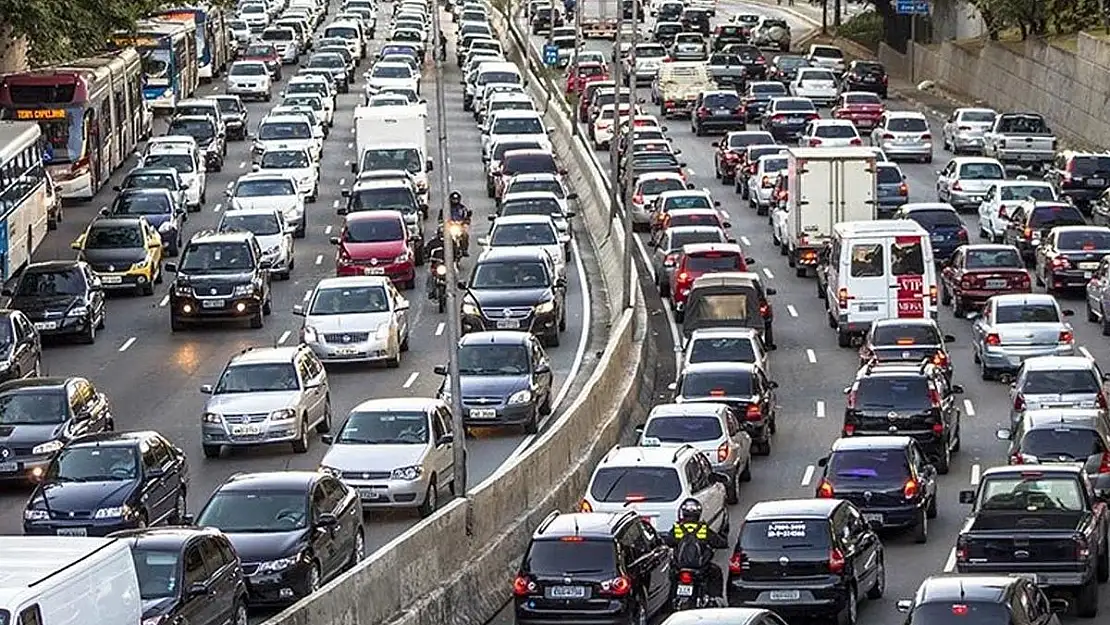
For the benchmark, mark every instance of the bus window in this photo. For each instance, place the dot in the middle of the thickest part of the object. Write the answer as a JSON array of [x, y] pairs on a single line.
[[156, 67]]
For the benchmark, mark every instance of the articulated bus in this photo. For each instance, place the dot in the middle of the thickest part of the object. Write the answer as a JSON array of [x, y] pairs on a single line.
[[169, 53], [24, 194], [212, 36], [92, 115]]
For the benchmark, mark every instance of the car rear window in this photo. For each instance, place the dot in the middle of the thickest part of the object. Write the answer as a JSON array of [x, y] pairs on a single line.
[[714, 261], [904, 334], [691, 237], [769, 88], [892, 393], [1040, 192], [836, 131], [722, 100], [868, 464], [930, 219], [737, 383], [683, 429], [1060, 381], [977, 613], [1090, 165], [795, 105], [636, 484], [1063, 443], [774, 164], [743, 140], [993, 259], [1027, 313], [862, 98], [529, 164], [1084, 240], [782, 535], [1056, 216], [724, 349], [890, 175], [978, 117], [656, 186], [570, 555], [981, 171], [870, 68], [907, 124]]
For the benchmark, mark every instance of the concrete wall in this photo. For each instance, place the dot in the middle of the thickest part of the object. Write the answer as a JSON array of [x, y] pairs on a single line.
[[13, 53], [956, 19]]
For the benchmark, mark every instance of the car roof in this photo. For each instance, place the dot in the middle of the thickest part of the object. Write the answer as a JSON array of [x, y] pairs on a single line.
[[283, 119], [265, 175], [522, 219], [283, 480], [905, 321], [905, 115], [50, 382], [792, 509], [585, 524], [691, 228], [1044, 419], [279, 354], [644, 456], [727, 279], [1053, 363], [496, 337], [928, 206], [973, 160], [212, 236], [1084, 228], [1050, 469], [723, 333], [518, 253], [164, 538], [693, 409], [857, 443], [352, 281], [1025, 298], [46, 266], [666, 195], [964, 589], [719, 367], [148, 171], [237, 212], [118, 221], [112, 439], [701, 248], [374, 215], [833, 122]]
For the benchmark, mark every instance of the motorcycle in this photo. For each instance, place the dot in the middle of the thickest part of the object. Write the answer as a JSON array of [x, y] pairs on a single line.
[[438, 289], [460, 236], [690, 592]]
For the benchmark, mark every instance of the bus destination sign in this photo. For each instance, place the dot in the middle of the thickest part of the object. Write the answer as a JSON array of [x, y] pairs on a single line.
[[40, 114], [178, 16], [136, 41]]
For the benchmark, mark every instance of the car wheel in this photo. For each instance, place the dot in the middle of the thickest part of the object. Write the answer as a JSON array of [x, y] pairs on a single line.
[[921, 528], [876, 591], [179, 506], [89, 335], [732, 489], [300, 445], [324, 426], [431, 499], [256, 321]]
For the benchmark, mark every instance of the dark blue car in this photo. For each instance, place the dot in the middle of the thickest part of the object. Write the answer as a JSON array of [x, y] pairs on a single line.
[[157, 206], [941, 221], [892, 188]]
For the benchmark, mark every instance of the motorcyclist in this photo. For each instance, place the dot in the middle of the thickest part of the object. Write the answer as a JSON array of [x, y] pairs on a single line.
[[460, 214], [693, 542], [433, 251]]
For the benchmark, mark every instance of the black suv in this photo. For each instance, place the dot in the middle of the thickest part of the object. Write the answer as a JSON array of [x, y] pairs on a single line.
[[187, 575], [696, 20], [221, 275], [907, 340], [40, 415], [865, 76], [1081, 176], [741, 385], [515, 289], [752, 58], [805, 557], [980, 599], [886, 477], [593, 567], [20, 347], [906, 399], [210, 139], [235, 115], [61, 298]]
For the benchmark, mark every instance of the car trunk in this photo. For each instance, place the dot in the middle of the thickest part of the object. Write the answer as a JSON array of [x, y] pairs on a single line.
[[776, 550], [907, 353], [999, 279], [1075, 399], [569, 574], [1021, 537], [1028, 334]]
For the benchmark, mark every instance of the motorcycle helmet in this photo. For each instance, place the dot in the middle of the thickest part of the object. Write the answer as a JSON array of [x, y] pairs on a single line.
[[455, 198], [690, 511]]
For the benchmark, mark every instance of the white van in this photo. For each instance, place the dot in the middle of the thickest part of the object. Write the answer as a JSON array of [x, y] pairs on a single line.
[[876, 270], [50, 580]]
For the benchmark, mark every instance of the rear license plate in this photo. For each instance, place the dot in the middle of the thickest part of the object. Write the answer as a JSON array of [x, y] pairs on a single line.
[[996, 284], [1028, 157], [1096, 182], [9, 467], [784, 595], [721, 113], [369, 493], [346, 351], [111, 279], [46, 325], [873, 517], [73, 531], [869, 308], [795, 120], [684, 590], [246, 430], [1088, 266], [507, 324], [374, 271], [212, 303], [483, 413], [567, 592]]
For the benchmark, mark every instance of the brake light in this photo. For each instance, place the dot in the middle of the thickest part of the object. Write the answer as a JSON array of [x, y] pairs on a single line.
[[836, 561], [886, 79], [703, 112], [842, 297], [855, 142], [1066, 336], [760, 61], [1082, 549], [584, 506], [723, 452], [732, 156], [956, 186], [522, 586], [993, 339], [766, 182], [778, 117], [910, 488], [959, 609], [685, 577], [825, 490], [670, 260], [682, 278], [1069, 170], [813, 116], [926, 137], [851, 402], [961, 549], [940, 359], [572, 539], [850, 429], [962, 235], [765, 310], [938, 428], [1017, 458], [1104, 464], [1028, 233], [617, 587], [1101, 399], [814, 142], [1060, 263], [1019, 402], [668, 104], [887, 136], [754, 413], [933, 293], [736, 562]]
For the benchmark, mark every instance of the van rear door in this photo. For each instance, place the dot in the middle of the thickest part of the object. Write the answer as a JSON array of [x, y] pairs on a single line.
[[865, 281], [911, 275]]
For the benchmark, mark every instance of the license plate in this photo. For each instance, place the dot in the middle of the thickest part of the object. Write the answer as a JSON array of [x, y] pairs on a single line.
[[1089, 266], [212, 303], [795, 120], [684, 590], [873, 517], [73, 531], [1096, 182], [483, 413], [1029, 157], [9, 467], [346, 351], [111, 279], [784, 595], [369, 493], [46, 325], [869, 308], [906, 140], [507, 324], [567, 592], [721, 113], [246, 430], [374, 271], [997, 284]]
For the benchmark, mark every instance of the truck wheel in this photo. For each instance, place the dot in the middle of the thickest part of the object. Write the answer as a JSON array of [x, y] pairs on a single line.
[[1086, 600], [843, 339], [1104, 565]]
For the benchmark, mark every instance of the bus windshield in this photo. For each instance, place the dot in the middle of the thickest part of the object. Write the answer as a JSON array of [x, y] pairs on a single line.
[[157, 66]]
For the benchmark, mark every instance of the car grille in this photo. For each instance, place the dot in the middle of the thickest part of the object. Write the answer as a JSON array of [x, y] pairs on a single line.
[[481, 401], [365, 475], [507, 313], [347, 337], [73, 514], [238, 419], [107, 268], [23, 451], [372, 262], [212, 290]]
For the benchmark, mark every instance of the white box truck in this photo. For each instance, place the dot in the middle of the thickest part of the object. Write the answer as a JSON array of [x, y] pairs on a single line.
[[825, 186], [48, 580], [393, 137]]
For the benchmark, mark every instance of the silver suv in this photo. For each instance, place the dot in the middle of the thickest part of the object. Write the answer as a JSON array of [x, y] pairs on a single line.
[[267, 395], [1046, 382]]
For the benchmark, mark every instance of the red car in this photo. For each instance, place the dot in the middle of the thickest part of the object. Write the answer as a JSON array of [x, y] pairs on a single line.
[[376, 243], [700, 259], [730, 151], [976, 273], [861, 108], [524, 162], [265, 52], [585, 73]]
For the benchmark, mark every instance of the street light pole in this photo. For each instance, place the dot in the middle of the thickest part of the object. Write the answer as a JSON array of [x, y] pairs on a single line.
[[578, 43], [629, 274], [614, 158], [453, 321]]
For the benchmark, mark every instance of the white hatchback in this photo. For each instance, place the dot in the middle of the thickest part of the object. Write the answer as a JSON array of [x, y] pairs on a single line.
[[1003, 198]]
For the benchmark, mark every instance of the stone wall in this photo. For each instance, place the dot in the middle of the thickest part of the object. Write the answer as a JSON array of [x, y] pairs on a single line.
[[956, 19]]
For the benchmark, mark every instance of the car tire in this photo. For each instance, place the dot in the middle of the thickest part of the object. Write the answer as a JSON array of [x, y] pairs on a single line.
[[89, 335], [211, 451], [931, 508], [180, 506], [324, 426], [300, 445], [431, 499], [1086, 600], [256, 321], [843, 339], [944, 462], [1091, 316], [850, 613], [532, 425], [876, 591], [732, 490], [921, 528]]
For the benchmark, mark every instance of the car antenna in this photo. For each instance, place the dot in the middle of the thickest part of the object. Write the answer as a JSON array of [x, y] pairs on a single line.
[[576, 526], [963, 594]]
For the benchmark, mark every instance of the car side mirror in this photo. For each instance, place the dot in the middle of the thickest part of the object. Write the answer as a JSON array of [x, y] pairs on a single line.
[[948, 338], [904, 605], [334, 240], [846, 390], [7, 292], [823, 462], [461, 285], [672, 386], [719, 478], [256, 167], [440, 369], [772, 291], [227, 193], [682, 164], [543, 367], [690, 186], [715, 144], [1059, 606], [117, 188], [266, 264], [104, 212], [967, 497], [749, 260], [326, 519], [1067, 312], [298, 310], [188, 519], [75, 245], [446, 439], [327, 439], [354, 168], [206, 389], [571, 196], [958, 389], [1003, 434]]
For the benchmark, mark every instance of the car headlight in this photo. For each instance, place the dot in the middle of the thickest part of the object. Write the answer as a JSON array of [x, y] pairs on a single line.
[[309, 334], [545, 307], [284, 414], [441, 269], [332, 471], [469, 309], [455, 229], [274, 566], [182, 290], [154, 620], [77, 311], [141, 265], [382, 332], [212, 417], [48, 447], [35, 515], [520, 397], [114, 512], [408, 473], [167, 226], [403, 258], [243, 289]]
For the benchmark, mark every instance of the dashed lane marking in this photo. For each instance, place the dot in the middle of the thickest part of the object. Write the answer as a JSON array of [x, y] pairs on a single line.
[[307, 294], [164, 301], [335, 204], [242, 164], [440, 328], [412, 379], [969, 409], [284, 337], [950, 565], [342, 181], [327, 230], [976, 472], [127, 344], [746, 241], [319, 259], [812, 356], [807, 477], [793, 311], [216, 208], [820, 409], [767, 272]]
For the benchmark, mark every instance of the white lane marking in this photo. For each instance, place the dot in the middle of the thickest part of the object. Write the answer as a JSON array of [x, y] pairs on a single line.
[[231, 183], [746, 241], [976, 472], [127, 344], [812, 356], [690, 170], [767, 272], [335, 203], [1086, 352], [950, 565], [969, 410], [440, 328], [284, 337], [164, 301], [307, 294], [820, 409], [216, 208], [793, 311], [350, 145], [327, 230], [319, 258], [807, 477], [242, 164], [347, 163], [342, 181], [412, 378]]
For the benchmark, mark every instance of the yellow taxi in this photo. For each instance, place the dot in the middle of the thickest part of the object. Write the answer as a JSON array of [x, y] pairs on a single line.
[[124, 252]]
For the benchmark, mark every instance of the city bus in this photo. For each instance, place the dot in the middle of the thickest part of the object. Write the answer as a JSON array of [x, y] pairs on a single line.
[[24, 194], [169, 55], [212, 37], [92, 115]]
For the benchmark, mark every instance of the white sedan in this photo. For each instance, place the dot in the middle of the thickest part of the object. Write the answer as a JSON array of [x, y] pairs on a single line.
[[1003, 198]]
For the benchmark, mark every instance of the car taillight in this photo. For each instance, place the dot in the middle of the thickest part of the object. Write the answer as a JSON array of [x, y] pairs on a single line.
[[961, 549], [933, 293], [732, 156], [962, 235], [753, 413], [668, 104], [887, 136], [1017, 458], [1025, 281], [1028, 234], [585, 506], [938, 428], [1019, 402], [940, 359], [934, 398], [685, 577], [723, 452], [760, 61], [825, 490], [682, 278], [1101, 399], [886, 79], [1066, 336], [993, 339], [736, 562], [836, 562], [926, 137], [969, 282], [814, 142], [1060, 263], [813, 116], [1104, 464], [850, 429], [903, 190], [617, 587], [956, 186], [1082, 549], [753, 167], [703, 112], [842, 297], [778, 117], [910, 489], [765, 310], [855, 142], [638, 198], [522, 586]]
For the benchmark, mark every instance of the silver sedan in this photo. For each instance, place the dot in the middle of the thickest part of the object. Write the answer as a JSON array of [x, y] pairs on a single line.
[[1013, 328], [904, 135]]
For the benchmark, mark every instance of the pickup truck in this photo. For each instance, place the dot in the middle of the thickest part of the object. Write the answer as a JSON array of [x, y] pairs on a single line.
[[727, 70], [1020, 140], [1043, 520], [677, 86]]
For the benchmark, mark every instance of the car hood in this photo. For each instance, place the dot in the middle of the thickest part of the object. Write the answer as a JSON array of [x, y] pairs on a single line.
[[381, 249], [124, 258], [29, 434], [502, 298], [252, 403], [254, 547], [269, 241], [492, 385], [201, 280], [355, 458], [365, 322], [80, 496], [36, 305]]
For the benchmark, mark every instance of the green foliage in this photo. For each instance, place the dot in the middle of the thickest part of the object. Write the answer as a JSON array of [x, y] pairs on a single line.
[[864, 28], [1037, 17]]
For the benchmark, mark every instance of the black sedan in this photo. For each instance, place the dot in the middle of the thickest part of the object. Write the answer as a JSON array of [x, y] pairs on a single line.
[[61, 298], [515, 289], [293, 530], [505, 378], [786, 118], [104, 483], [20, 347], [743, 386]]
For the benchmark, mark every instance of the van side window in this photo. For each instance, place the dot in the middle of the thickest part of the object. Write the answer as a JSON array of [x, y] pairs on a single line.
[[30, 616], [867, 260], [906, 256]]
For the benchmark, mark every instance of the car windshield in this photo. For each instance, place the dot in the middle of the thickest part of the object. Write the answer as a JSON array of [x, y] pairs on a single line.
[[285, 159], [559, 558], [1040, 192], [817, 74], [51, 283], [391, 71], [1060, 381], [889, 175], [1031, 312], [993, 259], [1083, 240], [150, 181], [487, 359], [722, 100], [407, 159], [712, 262], [731, 383], [836, 131], [768, 89], [909, 124], [509, 235], [229, 105], [326, 60], [944, 613], [183, 163], [249, 69], [887, 465], [785, 535], [517, 126], [680, 237], [276, 131], [114, 237], [99, 463], [795, 106], [264, 188], [383, 198], [862, 98], [510, 275], [28, 407], [258, 378], [1062, 443], [904, 334], [636, 484], [892, 393], [262, 224], [373, 230], [384, 427], [536, 186], [141, 204], [246, 512], [528, 164], [198, 128], [157, 572], [231, 257], [1056, 215], [930, 219], [349, 300], [981, 171], [1031, 492], [683, 429]]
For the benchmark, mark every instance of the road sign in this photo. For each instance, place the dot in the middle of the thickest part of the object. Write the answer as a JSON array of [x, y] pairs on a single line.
[[550, 55], [912, 7]]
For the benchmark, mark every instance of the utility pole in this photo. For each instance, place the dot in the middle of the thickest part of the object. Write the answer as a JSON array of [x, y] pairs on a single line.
[[824, 17], [453, 320], [614, 158], [578, 45], [629, 273]]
